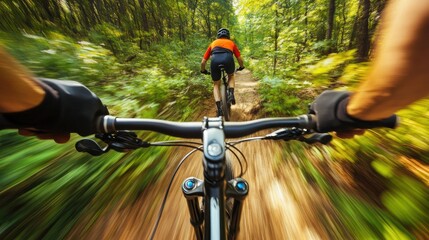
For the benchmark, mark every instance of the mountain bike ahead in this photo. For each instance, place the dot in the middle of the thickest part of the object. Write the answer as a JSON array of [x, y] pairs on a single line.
[[225, 94], [218, 214]]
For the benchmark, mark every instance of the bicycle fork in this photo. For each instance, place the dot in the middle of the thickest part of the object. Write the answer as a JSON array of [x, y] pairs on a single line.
[[193, 188], [214, 189]]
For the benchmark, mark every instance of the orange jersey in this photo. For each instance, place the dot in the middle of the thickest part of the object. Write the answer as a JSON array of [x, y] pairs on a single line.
[[223, 43]]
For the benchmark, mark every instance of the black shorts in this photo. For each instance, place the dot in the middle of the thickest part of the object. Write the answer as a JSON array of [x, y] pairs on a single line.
[[224, 58]]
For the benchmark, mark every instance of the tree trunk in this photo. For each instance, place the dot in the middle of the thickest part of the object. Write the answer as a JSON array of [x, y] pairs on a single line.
[[331, 17], [352, 42], [343, 24], [193, 7], [276, 39], [181, 23], [144, 18], [363, 43]]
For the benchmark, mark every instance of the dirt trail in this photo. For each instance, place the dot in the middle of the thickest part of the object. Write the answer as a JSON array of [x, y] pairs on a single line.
[[280, 204]]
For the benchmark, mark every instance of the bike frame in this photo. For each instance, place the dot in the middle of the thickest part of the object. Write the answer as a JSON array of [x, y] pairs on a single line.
[[214, 189]]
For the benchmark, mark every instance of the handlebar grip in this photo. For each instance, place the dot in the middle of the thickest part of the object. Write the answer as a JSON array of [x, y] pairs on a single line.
[[351, 122], [311, 122], [5, 124], [390, 122]]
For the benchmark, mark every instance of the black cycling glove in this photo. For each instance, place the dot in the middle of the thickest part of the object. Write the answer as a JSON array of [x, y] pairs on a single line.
[[70, 108], [330, 109], [205, 72]]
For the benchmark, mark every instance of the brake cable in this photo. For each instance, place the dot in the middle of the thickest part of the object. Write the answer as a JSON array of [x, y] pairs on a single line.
[[169, 187]]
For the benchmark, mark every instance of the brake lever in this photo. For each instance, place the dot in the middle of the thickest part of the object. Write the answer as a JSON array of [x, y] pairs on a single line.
[[286, 134], [323, 138], [299, 134], [90, 146], [121, 141]]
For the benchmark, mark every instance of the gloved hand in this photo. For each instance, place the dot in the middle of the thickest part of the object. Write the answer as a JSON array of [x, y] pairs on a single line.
[[240, 68], [205, 72], [330, 109], [68, 107]]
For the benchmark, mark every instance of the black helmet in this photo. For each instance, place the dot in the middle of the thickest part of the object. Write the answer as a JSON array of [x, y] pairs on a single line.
[[223, 32]]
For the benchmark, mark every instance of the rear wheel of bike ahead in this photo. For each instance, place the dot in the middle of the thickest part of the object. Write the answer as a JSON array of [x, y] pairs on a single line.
[[226, 105]]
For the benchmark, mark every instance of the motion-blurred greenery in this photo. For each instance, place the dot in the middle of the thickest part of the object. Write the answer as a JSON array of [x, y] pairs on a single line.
[[53, 185], [387, 196]]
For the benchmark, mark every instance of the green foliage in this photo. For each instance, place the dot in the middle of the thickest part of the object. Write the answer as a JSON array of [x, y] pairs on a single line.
[[112, 38], [300, 83], [366, 221], [407, 200], [329, 69], [119, 23], [284, 98], [49, 186], [59, 57], [391, 199]]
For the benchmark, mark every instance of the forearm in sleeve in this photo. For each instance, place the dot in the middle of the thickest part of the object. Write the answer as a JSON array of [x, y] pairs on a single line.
[[18, 91]]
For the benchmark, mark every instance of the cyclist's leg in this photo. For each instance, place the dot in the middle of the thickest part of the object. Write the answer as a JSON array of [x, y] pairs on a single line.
[[231, 80], [216, 90], [230, 68], [218, 99]]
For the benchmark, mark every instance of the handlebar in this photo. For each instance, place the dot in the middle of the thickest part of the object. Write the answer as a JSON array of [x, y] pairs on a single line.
[[108, 124]]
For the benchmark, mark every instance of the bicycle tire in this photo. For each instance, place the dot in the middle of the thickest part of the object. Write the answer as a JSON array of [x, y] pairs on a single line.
[[226, 106], [229, 173]]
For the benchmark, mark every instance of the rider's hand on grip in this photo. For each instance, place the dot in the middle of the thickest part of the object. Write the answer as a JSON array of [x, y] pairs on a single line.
[[205, 72], [331, 113], [240, 68], [79, 108], [68, 107]]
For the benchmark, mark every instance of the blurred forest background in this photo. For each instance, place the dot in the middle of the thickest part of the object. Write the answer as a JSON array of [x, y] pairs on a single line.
[[142, 58]]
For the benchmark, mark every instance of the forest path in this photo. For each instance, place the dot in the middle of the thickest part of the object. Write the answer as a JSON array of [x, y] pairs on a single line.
[[281, 204]]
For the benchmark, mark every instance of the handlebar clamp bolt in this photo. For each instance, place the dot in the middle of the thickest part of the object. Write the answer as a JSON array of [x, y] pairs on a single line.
[[214, 149]]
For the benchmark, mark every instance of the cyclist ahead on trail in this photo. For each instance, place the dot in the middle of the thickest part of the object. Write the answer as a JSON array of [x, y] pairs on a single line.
[[221, 51]]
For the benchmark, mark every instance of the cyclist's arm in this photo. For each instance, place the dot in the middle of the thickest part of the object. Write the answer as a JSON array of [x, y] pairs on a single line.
[[240, 62], [206, 58], [203, 64], [400, 71], [18, 91], [237, 55], [46, 108]]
